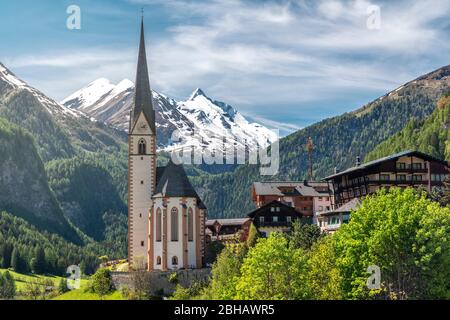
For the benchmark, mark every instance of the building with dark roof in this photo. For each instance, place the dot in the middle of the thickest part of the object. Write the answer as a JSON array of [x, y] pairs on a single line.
[[166, 217], [228, 229], [306, 197], [274, 216], [330, 221], [405, 169]]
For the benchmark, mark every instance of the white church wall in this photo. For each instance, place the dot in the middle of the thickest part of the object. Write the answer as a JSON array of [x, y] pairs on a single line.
[[174, 248]]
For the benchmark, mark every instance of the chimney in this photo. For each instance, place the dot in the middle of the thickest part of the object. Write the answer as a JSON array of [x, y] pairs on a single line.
[[358, 161]]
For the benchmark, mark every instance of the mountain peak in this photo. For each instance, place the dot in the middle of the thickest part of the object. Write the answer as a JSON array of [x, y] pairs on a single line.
[[10, 77], [126, 83], [99, 82], [198, 92]]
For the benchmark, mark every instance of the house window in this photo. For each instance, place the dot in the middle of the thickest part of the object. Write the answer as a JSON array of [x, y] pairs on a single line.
[[158, 260], [385, 177], [334, 220], [142, 146], [142, 181], [278, 209], [401, 177], [174, 260], [417, 166], [158, 224], [274, 219], [417, 178], [190, 225], [401, 165], [174, 224], [261, 219], [289, 219], [142, 243], [272, 209]]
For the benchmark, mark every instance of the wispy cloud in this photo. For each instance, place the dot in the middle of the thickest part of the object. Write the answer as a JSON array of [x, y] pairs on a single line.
[[284, 127], [253, 53]]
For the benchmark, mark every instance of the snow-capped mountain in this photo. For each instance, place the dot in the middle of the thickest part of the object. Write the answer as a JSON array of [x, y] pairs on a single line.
[[201, 122], [54, 108], [58, 130]]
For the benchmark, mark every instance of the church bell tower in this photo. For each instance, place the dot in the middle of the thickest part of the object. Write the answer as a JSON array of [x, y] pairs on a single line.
[[141, 162]]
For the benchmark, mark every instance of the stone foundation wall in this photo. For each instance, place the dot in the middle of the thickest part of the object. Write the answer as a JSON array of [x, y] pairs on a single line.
[[158, 281]]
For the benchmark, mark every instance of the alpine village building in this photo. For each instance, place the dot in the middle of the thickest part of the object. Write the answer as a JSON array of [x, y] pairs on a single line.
[[166, 217], [306, 197], [279, 204], [405, 169]]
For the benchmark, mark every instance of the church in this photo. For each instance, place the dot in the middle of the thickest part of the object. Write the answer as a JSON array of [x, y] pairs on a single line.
[[166, 217]]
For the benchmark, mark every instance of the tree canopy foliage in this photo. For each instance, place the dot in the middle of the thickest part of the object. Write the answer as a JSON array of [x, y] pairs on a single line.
[[401, 232]]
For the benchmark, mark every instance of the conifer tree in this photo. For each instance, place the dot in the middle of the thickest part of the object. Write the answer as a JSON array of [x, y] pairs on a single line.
[[18, 263]]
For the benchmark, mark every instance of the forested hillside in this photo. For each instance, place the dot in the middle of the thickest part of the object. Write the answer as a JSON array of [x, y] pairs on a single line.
[[24, 189], [25, 248], [87, 186], [338, 141], [431, 135], [84, 160]]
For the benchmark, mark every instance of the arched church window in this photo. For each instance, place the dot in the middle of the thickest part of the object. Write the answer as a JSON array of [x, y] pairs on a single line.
[[174, 261], [142, 147], [158, 260], [190, 225], [158, 224], [174, 224]]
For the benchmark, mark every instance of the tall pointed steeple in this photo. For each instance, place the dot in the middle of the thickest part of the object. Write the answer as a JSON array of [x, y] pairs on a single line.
[[143, 101]]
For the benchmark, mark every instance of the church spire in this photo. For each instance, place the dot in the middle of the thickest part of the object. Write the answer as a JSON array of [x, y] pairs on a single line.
[[143, 101]]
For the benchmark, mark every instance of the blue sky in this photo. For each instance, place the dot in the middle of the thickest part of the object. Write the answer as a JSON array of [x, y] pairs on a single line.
[[285, 64]]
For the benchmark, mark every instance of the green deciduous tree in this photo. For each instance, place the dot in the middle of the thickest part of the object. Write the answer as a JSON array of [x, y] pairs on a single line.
[[102, 282], [272, 270], [62, 286], [225, 275], [406, 235], [304, 235], [7, 286], [323, 280], [253, 236]]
